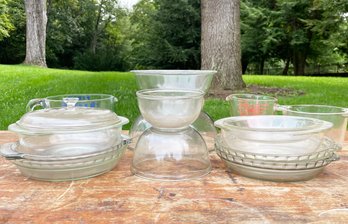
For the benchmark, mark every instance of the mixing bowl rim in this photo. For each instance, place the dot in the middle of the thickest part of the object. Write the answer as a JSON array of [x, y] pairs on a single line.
[[194, 94], [175, 72], [344, 111]]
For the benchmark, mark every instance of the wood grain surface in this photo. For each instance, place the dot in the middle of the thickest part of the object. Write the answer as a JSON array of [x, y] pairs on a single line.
[[220, 197]]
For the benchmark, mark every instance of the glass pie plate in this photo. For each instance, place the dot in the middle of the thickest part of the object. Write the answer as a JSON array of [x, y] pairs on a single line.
[[64, 168], [283, 171], [274, 174]]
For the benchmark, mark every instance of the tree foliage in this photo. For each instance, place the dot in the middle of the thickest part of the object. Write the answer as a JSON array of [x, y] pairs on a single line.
[[166, 34], [5, 23], [297, 31], [98, 35]]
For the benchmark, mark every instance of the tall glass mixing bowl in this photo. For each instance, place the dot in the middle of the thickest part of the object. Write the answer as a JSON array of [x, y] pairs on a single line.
[[336, 115], [197, 80]]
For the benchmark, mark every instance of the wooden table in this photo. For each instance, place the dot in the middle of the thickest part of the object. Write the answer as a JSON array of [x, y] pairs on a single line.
[[220, 197]]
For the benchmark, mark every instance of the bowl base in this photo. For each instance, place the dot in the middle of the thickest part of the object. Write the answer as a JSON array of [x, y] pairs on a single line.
[[170, 169]]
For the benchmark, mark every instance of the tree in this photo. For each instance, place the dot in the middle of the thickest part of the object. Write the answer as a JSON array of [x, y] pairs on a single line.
[[13, 46], [5, 23], [35, 11], [167, 34], [220, 42]]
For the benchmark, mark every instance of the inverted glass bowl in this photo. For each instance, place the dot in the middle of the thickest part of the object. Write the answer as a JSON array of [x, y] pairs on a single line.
[[174, 79], [179, 155], [336, 115], [272, 134], [203, 124], [170, 109]]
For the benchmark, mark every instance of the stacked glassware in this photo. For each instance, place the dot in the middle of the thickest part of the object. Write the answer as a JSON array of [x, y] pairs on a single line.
[[168, 136], [74, 136], [197, 80], [276, 148]]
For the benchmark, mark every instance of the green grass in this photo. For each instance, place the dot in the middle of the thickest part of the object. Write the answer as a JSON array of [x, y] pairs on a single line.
[[318, 90], [19, 84]]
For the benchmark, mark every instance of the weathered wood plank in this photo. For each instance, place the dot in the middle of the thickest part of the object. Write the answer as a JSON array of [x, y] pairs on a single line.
[[220, 197]]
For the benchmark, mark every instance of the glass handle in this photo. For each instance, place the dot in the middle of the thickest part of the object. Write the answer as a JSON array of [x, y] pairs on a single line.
[[281, 108], [34, 103], [7, 152], [70, 101], [345, 112]]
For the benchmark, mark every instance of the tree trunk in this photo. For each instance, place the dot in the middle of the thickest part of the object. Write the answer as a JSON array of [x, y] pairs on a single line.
[[245, 64], [261, 66], [36, 17], [220, 42], [286, 68], [299, 62]]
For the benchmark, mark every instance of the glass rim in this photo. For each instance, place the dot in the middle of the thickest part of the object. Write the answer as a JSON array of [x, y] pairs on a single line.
[[174, 72], [316, 126], [240, 96], [288, 108], [191, 94], [103, 97]]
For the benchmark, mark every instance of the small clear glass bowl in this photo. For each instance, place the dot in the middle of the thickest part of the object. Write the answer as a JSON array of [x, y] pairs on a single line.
[[273, 134], [170, 109]]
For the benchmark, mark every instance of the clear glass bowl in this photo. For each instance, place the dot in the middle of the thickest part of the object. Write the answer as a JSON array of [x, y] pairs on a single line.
[[204, 124], [174, 79], [272, 134], [178, 155], [336, 115], [170, 109]]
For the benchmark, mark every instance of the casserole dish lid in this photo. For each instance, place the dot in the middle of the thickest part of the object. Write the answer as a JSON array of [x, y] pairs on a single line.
[[57, 120]]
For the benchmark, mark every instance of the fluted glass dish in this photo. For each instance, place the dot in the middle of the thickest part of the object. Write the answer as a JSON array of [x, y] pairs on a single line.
[[56, 168], [283, 171]]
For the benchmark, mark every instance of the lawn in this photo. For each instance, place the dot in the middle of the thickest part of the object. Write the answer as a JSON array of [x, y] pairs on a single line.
[[19, 84]]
